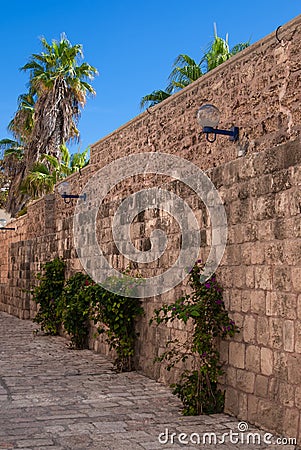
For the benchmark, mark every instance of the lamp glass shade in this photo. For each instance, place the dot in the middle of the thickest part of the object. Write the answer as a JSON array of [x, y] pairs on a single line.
[[208, 116], [3, 222], [64, 188]]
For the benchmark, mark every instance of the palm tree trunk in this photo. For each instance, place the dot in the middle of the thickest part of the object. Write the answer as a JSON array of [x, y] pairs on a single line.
[[16, 200]]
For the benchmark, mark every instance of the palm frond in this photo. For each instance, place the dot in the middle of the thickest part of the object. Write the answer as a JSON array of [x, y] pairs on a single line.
[[154, 98], [239, 47], [79, 160], [52, 161]]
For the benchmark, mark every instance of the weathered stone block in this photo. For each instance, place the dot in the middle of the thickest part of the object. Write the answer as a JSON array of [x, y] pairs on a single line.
[[231, 401], [282, 204], [297, 336], [237, 354], [267, 361], [258, 253], [253, 358], [276, 332], [270, 414], [242, 405], [290, 422], [258, 302], [249, 329], [281, 365], [262, 331], [288, 335], [250, 279], [263, 277], [261, 386], [253, 408], [298, 397], [235, 300], [294, 369], [245, 380], [246, 300], [296, 278], [287, 394], [264, 207], [281, 304], [282, 279], [231, 376], [292, 252]]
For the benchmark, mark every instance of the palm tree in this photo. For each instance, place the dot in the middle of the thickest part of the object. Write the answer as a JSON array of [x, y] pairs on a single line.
[[61, 86], [45, 173], [48, 114], [186, 69]]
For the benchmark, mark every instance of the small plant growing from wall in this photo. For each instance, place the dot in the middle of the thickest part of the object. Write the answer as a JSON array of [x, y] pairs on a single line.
[[47, 295], [205, 311]]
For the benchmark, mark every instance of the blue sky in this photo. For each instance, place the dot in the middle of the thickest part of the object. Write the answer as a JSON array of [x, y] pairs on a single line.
[[132, 44]]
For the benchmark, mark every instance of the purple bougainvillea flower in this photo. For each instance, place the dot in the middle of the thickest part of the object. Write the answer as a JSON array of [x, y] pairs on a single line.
[[219, 302], [207, 285]]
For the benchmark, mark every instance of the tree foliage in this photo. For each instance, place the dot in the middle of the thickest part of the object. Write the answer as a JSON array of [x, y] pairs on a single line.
[[186, 70], [46, 118]]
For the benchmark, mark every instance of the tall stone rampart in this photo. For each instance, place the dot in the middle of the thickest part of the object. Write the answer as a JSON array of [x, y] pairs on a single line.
[[259, 91]]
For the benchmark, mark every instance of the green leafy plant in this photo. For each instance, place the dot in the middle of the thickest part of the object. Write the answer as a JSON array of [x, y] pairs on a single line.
[[204, 309], [74, 309], [47, 295], [71, 304], [115, 315]]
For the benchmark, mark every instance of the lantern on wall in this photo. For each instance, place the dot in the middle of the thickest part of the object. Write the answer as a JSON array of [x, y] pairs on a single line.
[[208, 117]]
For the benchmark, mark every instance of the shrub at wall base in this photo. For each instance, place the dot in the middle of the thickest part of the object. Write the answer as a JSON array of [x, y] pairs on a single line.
[[204, 307]]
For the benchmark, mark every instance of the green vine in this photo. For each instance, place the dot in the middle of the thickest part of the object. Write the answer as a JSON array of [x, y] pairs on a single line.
[[75, 309], [115, 315], [47, 295], [205, 310], [70, 305]]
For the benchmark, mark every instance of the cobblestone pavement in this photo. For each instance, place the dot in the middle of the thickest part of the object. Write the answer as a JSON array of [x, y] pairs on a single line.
[[53, 398]]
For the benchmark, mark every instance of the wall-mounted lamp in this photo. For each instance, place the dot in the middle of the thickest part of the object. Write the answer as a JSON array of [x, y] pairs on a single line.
[[3, 222], [64, 190], [208, 117]]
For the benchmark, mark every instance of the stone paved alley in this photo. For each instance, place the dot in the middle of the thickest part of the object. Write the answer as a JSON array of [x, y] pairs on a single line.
[[53, 398]]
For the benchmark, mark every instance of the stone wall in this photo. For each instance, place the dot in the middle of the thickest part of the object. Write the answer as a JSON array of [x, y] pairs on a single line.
[[259, 91], [261, 274]]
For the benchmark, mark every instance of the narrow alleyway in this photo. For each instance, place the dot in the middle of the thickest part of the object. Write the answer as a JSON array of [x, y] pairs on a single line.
[[53, 398]]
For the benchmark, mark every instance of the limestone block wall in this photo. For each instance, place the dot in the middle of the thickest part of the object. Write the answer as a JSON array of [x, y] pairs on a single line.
[[261, 274], [23, 251], [259, 91]]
